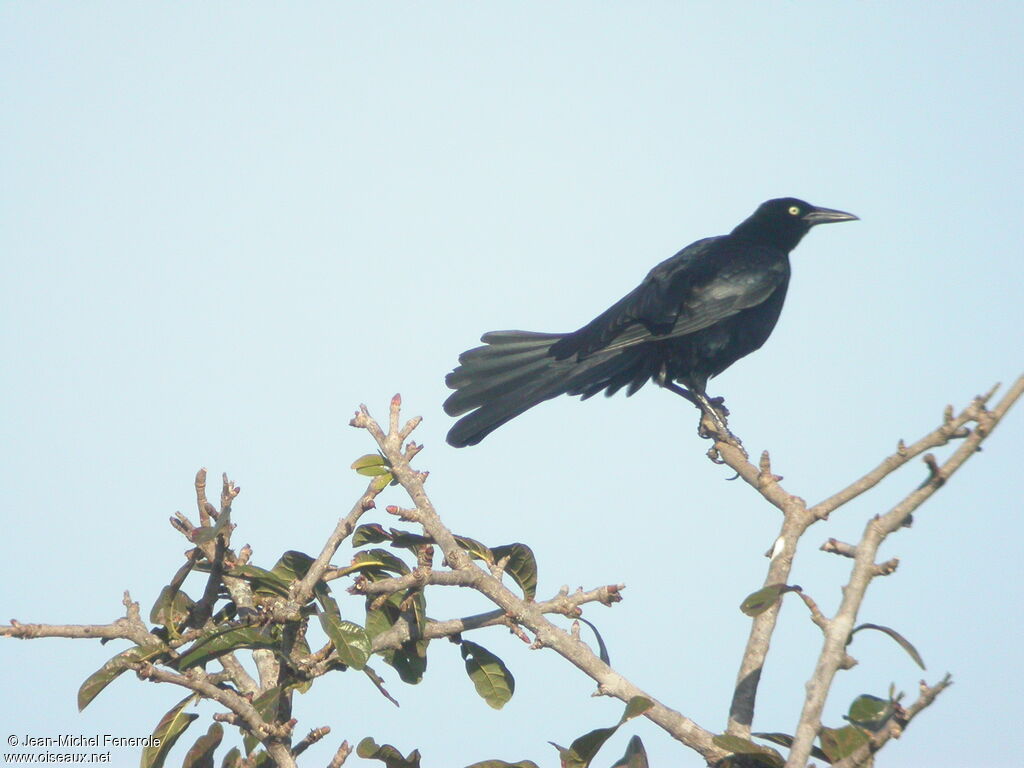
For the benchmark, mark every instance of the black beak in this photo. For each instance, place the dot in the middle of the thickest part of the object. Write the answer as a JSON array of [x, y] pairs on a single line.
[[827, 216]]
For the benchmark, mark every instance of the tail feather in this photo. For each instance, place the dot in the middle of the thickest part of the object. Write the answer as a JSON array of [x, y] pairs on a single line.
[[475, 426], [494, 364], [479, 388], [515, 370], [510, 374], [505, 338], [501, 343]]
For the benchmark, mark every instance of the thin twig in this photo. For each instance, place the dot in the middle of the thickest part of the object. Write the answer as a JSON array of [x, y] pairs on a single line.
[[567, 605], [340, 756], [303, 590], [310, 739], [128, 627]]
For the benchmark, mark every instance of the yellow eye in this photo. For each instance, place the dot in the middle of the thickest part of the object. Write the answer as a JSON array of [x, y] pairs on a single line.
[[794, 210]]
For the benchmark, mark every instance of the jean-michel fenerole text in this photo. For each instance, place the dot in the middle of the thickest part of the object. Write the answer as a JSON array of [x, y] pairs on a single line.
[[98, 740]]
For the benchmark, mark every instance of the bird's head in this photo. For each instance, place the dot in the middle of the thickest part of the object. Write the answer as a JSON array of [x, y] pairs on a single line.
[[784, 221]]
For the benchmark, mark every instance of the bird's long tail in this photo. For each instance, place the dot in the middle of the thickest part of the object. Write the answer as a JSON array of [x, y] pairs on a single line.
[[510, 374]]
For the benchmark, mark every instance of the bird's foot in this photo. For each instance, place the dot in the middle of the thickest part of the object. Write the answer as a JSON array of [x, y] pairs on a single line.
[[713, 425], [718, 403]]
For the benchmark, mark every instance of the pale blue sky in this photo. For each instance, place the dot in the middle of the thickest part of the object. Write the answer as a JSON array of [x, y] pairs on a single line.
[[225, 225]]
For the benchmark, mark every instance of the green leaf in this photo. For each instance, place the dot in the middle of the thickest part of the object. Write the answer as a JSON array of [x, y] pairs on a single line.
[[410, 661], [368, 749], [227, 613], [583, 749], [350, 640], [209, 533], [171, 608], [415, 599], [327, 603], [369, 533], [380, 620], [602, 649], [903, 642], [758, 602], [785, 740], [503, 764], [522, 566], [782, 739], [166, 733], [249, 742], [263, 581], [635, 707], [378, 682], [378, 484], [292, 566], [371, 465], [566, 757], [201, 753], [269, 705], [370, 560], [489, 674], [838, 743], [752, 752], [870, 712], [233, 759], [106, 674], [475, 549], [408, 540], [223, 640], [635, 757]]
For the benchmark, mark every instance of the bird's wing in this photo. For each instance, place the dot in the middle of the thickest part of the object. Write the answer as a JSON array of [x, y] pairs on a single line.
[[718, 299], [703, 284]]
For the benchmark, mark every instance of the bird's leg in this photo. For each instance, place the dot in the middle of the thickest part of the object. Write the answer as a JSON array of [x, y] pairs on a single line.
[[705, 405], [664, 381], [671, 386], [713, 408]]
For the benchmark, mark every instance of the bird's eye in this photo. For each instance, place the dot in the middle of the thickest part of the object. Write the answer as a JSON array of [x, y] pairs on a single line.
[[794, 210]]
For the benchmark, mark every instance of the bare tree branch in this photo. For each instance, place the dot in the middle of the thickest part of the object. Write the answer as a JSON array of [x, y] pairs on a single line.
[[521, 611], [310, 739], [273, 737], [837, 547], [340, 756], [281, 619], [794, 522], [865, 569], [565, 604], [797, 518], [128, 627], [242, 680], [304, 590]]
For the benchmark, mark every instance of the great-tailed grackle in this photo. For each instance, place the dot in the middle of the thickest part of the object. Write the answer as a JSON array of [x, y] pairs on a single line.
[[693, 316]]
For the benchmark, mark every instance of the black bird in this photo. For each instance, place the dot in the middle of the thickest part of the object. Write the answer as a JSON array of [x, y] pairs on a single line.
[[693, 316]]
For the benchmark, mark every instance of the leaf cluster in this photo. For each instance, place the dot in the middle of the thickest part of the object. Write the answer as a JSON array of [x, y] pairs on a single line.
[[247, 607]]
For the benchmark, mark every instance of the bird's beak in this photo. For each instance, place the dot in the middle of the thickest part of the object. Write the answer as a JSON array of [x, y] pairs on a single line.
[[827, 216]]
